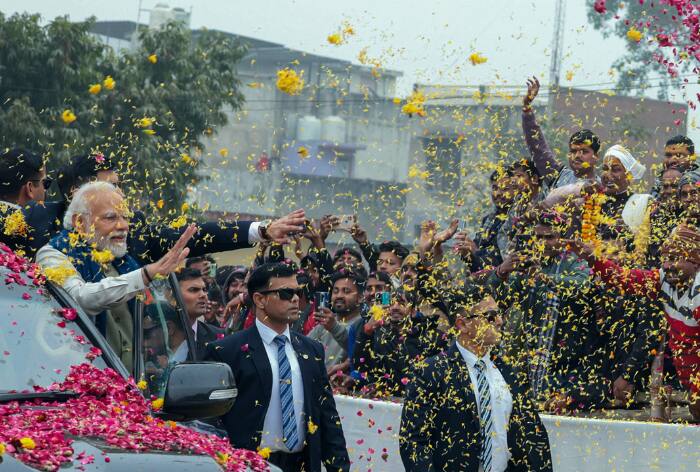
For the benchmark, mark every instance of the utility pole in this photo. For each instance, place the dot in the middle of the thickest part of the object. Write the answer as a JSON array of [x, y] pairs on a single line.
[[557, 51]]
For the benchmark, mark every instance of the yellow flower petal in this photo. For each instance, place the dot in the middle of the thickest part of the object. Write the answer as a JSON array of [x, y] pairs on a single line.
[[414, 105], [157, 404], [264, 452], [95, 89], [15, 225], [60, 274], [108, 83], [27, 443], [475, 58], [634, 34], [68, 117], [145, 122], [152, 58], [178, 222], [289, 82], [335, 39], [102, 257], [311, 427]]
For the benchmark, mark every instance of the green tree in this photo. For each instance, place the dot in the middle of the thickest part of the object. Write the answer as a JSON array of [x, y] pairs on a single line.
[[641, 61], [149, 107]]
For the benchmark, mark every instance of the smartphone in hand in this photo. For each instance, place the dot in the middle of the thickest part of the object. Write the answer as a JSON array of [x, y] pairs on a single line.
[[383, 298], [345, 223], [322, 300]]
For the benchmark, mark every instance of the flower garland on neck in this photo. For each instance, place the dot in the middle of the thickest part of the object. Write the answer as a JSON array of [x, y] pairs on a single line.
[[591, 218]]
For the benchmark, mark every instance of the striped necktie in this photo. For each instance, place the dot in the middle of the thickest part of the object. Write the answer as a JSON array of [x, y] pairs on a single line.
[[289, 420], [486, 421]]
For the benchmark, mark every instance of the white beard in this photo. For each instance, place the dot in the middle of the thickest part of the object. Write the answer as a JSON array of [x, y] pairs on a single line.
[[117, 249]]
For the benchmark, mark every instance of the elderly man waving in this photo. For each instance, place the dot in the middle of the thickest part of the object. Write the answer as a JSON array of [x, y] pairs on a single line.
[[100, 272]]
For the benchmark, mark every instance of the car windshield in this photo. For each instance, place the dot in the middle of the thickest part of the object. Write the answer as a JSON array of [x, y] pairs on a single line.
[[164, 340], [36, 347]]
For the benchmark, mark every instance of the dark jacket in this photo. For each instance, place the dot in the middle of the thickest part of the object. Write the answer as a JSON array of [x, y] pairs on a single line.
[[488, 254], [206, 334], [245, 353], [571, 326], [387, 357], [440, 421], [44, 221], [149, 242]]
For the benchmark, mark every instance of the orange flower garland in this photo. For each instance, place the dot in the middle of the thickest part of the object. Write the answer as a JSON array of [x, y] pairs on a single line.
[[591, 217]]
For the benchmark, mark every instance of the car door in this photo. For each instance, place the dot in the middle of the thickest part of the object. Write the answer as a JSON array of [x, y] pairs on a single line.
[[161, 333]]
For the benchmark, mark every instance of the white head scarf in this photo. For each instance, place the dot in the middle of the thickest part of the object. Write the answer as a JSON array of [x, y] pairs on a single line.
[[632, 165]]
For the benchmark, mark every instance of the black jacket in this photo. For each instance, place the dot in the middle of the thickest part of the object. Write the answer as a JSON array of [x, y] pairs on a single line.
[[206, 334], [149, 242], [440, 421], [245, 353], [44, 220], [390, 354]]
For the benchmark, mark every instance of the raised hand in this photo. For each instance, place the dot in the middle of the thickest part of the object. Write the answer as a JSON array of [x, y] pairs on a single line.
[[533, 88], [326, 225], [174, 257], [427, 233], [464, 246], [279, 230], [359, 234], [447, 233]]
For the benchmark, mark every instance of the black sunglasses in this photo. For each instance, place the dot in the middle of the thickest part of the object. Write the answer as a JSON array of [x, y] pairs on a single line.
[[284, 293], [46, 182], [490, 315]]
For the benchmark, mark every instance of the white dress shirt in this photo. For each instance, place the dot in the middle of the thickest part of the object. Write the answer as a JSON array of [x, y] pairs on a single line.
[[254, 233], [93, 297], [180, 354], [272, 428], [501, 406]]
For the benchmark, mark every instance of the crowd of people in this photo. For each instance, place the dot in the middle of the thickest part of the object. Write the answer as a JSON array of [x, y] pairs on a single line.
[[575, 294]]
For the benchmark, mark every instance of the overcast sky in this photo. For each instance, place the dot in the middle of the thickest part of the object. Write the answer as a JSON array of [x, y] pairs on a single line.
[[429, 41]]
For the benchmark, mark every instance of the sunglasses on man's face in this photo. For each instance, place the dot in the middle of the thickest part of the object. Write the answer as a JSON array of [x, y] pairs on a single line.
[[285, 294], [46, 182], [490, 315]]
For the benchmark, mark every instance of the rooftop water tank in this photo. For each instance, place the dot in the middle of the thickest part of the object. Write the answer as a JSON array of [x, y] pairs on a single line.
[[333, 129], [161, 14], [308, 128]]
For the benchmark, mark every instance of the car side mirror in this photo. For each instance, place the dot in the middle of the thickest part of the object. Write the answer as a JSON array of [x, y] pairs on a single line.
[[198, 390]]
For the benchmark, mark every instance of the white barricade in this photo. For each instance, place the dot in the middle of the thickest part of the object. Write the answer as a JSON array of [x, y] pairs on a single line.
[[578, 444]]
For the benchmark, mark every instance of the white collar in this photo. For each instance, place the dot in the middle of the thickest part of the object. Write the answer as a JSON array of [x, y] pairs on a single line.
[[470, 358], [268, 334]]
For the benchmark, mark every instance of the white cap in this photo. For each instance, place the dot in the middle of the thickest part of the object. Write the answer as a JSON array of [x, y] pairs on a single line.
[[632, 165]]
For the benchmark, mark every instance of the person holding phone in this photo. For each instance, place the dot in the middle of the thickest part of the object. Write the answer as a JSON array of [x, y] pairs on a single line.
[[391, 342], [334, 320], [377, 282], [206, 265]]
